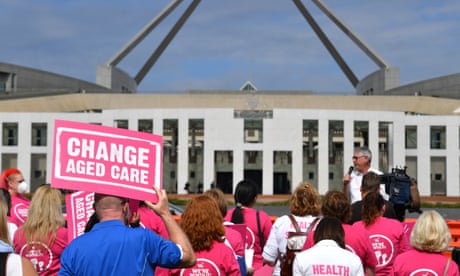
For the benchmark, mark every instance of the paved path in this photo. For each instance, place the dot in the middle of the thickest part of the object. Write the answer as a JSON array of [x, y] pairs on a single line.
[[447, 213]]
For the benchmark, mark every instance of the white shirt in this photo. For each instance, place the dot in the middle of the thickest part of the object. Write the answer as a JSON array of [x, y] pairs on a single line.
[[11, 230], [355, 185], [277, 239], [327, 258], [14, 265]]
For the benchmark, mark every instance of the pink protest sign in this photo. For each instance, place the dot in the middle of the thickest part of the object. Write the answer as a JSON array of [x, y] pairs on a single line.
[[79, 207], [106, 160]]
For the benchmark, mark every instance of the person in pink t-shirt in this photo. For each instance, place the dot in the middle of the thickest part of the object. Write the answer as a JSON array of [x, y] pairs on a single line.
[[202, 222], [245, 197], [387, 236], [336, 204], [429, 238], [150, 220], [13, 181], [234, 237], [43, 237]]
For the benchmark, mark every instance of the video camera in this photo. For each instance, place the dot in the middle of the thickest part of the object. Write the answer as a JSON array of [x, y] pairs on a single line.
[[402, 190]]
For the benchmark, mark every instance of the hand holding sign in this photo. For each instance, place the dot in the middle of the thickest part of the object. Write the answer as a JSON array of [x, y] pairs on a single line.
[[161, 207]]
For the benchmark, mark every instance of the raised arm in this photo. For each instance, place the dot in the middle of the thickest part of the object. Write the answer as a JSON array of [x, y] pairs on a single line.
[[175, 232]]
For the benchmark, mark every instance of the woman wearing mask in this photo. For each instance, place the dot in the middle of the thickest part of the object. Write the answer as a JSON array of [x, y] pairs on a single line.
[[43, 237], [13, 181]]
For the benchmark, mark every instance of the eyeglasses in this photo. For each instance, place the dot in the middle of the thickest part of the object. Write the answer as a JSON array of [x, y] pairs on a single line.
[[357, 157]]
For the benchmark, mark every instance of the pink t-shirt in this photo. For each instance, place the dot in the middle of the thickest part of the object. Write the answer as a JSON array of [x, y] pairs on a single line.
[[219, 260], [355, 241], [419, 263], [19, 209], [44, 257], [252, 233], [150, 220], [388, 240], [235, 239]]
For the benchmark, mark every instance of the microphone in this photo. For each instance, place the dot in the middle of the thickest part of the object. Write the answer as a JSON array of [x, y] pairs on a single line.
[[350, 170]]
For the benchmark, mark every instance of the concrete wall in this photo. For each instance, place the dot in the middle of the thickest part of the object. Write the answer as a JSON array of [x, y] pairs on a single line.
[[283, 132]]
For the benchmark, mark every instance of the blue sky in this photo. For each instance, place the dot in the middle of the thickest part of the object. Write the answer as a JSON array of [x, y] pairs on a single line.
[[226, 43]]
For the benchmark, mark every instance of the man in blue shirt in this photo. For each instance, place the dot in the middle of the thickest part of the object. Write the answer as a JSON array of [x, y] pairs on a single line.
[[112, 248]]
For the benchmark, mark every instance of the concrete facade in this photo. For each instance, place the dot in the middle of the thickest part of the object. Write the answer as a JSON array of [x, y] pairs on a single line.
[[287, 147]]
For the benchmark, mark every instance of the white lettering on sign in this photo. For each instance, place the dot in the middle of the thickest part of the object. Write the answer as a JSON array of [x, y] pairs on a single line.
[[99, 150], [129, 174], [85, 167], [80, 208]]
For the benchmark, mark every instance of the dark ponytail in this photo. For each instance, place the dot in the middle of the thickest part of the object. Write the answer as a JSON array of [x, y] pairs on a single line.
[[372, 207], [245, 195]]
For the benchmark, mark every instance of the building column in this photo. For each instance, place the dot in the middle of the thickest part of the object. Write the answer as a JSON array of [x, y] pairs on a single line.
[[182, 155], [323, 156]]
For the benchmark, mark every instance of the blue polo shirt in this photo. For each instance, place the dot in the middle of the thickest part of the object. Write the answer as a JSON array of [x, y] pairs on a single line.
[[111, 248]]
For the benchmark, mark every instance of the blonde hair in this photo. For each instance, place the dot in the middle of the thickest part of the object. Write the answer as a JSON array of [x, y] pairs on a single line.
[[219, 196], [45, 215], [305, 200], [4, 234], [430, 232]]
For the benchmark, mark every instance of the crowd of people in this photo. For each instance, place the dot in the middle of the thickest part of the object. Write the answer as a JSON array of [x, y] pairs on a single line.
[[349, 232]]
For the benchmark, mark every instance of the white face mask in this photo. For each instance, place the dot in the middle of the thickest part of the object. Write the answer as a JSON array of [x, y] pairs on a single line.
[[23, 187]]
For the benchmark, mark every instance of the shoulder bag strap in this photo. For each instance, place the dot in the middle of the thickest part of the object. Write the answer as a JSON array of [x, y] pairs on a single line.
[[447, 267], [294, 222], [312, 224], [261, 235]]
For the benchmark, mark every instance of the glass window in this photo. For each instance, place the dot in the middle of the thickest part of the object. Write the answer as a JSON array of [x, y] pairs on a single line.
[[411, 137], [310, 150], [39, 134], [361, 135], [223, 170], [170, 143], [145, 126], [253, 167], [9, 160], [10, 134], [195, 154], [335, 154], [438, 173], [37, 170], [438, 137], [282, 172], [253, 130], [121, 124], [385, 128]]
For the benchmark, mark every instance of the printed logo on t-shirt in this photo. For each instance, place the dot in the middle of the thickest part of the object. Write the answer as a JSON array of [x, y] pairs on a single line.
[[39, 254], [20, 211], [250, 238], [383, 249], [203, 267], [423, 272]]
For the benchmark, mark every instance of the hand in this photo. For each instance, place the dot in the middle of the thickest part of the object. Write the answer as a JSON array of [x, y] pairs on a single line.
[[161, 207], [346, 178]]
